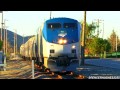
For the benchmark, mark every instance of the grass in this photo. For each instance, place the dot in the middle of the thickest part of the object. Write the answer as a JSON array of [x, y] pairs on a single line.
[[113, 55], [108, 55]]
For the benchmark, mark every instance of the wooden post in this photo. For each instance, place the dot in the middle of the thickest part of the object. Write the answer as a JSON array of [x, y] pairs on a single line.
[[33, 70], [4, 62], [83, 40], [6, 40]]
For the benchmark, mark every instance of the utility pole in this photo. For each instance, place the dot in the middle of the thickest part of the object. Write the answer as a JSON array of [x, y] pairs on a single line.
[[6, 40], [83, 40], [14, 43], [16, 40], [104, 53], [116, 45], [103, 30], [4, 37], [50, 14], [5, 44], [98, 25], [2, 25]]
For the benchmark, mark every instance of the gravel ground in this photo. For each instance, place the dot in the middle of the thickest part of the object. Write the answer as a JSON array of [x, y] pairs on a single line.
[[20, 69], [16, 69]]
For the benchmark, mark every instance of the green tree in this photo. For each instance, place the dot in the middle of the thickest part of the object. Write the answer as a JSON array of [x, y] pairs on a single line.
[[107, 45], [118, 45], [90, 29], [94, 45], [112, 40], [97, 46]]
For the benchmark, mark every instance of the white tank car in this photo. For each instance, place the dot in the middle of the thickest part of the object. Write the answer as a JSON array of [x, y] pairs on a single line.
[[26, 50], [22, 50]]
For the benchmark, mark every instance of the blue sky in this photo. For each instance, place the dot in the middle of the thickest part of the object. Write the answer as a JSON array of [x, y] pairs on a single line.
[[27, 22]]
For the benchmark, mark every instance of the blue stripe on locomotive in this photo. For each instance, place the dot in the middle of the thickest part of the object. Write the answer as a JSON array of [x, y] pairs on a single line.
[[52, 35]]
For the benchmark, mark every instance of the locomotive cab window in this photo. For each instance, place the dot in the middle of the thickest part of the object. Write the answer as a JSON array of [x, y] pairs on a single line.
[[53, 25], [70, 25]]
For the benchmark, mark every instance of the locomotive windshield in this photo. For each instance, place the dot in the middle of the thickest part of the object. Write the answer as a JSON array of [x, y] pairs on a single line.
[[70, 25], [54, 25]]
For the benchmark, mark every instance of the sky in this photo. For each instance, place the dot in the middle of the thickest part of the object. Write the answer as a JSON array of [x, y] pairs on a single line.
[[27, 22]]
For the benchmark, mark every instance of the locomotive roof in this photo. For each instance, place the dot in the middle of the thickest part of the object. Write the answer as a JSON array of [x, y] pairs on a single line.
[[60, 19]]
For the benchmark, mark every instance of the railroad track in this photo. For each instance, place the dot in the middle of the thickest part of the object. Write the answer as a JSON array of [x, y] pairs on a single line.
[[52, 75], [57, 75], [21, 69], [48, 74]]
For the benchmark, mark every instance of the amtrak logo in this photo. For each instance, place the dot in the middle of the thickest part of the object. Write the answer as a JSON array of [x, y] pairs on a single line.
[[62, 33]]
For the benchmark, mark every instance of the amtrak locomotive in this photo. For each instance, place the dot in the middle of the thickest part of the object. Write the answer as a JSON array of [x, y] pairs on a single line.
[[56, 46]]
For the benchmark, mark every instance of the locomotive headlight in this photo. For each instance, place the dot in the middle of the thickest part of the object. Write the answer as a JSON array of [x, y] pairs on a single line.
[[65, 41], [60, 41], [73, 46]]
